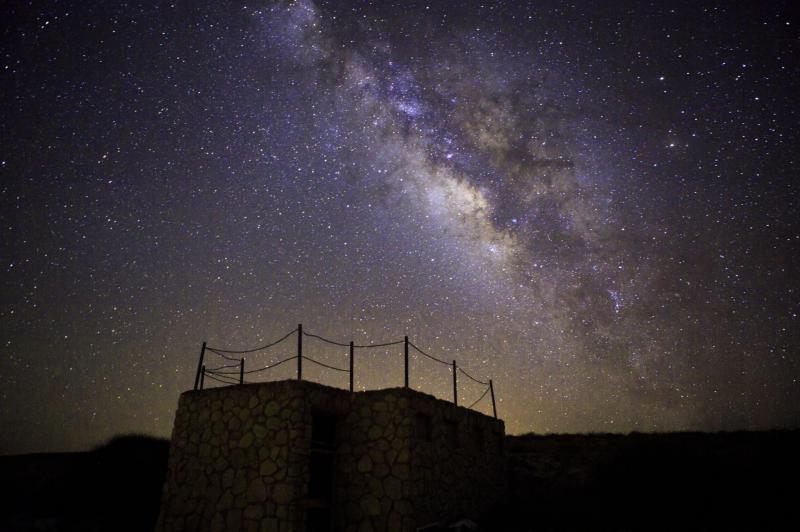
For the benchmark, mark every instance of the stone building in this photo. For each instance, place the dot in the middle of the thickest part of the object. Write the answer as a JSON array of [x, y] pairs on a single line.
[[303, 457]]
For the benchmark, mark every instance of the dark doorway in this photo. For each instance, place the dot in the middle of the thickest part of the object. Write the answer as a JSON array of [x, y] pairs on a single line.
[[322, 471], [318, 520], [422, 428], [323, 429]]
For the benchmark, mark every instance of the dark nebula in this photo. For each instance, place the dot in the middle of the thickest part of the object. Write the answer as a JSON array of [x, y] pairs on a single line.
[[594, 204]]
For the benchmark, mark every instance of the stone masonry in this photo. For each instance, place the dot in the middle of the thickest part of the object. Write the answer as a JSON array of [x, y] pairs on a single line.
[[302, 457]]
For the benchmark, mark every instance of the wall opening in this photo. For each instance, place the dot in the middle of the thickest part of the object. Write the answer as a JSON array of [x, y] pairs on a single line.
[[422, 427], [451, 433], [322, 469], [323, 429], [477, 437], [318, 520]]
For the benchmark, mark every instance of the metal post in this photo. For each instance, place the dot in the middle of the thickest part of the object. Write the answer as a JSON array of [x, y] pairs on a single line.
[[491, 390], [241, 371], [300, 351], [405, 354], [455, 384], [352, 352], [199, 366], [202, 376]]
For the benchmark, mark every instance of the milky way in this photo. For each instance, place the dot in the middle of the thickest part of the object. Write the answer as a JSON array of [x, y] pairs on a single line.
[[593, 206]]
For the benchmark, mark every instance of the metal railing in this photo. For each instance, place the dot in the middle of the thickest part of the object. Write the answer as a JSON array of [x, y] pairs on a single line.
[[233, 373]]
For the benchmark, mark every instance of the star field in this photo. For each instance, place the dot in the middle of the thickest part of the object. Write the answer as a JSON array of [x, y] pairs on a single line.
[[595, 206]]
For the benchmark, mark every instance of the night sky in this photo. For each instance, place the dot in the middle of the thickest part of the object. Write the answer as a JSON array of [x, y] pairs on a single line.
[[595, 204]]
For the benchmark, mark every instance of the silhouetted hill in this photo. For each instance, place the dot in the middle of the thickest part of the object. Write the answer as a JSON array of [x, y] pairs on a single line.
[[114, 487], [677, 481]]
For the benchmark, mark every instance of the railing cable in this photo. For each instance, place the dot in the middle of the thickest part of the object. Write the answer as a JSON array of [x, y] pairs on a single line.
[[361, 346], [325, 365], [318, 337], [239, 352], [255, 370], [222, 354], [224, 375], [210, 376], [368, 346], [223, 367], [276, 364], [479, 398], [473, 378], [420, 351]]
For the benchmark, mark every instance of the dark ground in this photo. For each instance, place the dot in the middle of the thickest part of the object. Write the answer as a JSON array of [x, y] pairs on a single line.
[[681, 481], [116, 487], [678, 481]]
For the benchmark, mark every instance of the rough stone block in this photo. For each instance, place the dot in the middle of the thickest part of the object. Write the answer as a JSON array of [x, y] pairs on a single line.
[[268, 468], [370, 505], [247, 440], [254, 511], [270, 524], [282, 493], [365, 464], [256, 491], [233, 520]]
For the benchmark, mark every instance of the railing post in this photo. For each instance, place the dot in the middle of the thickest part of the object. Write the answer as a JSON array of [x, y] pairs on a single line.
[[241, 371], [405, 354], [491, 390], [202, 375], [352, 353], [300, 351], [455, 384], [199, 366]]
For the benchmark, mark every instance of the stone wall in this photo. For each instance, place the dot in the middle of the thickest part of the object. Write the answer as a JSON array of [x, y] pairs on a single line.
[[461, 470], [241, 460]]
